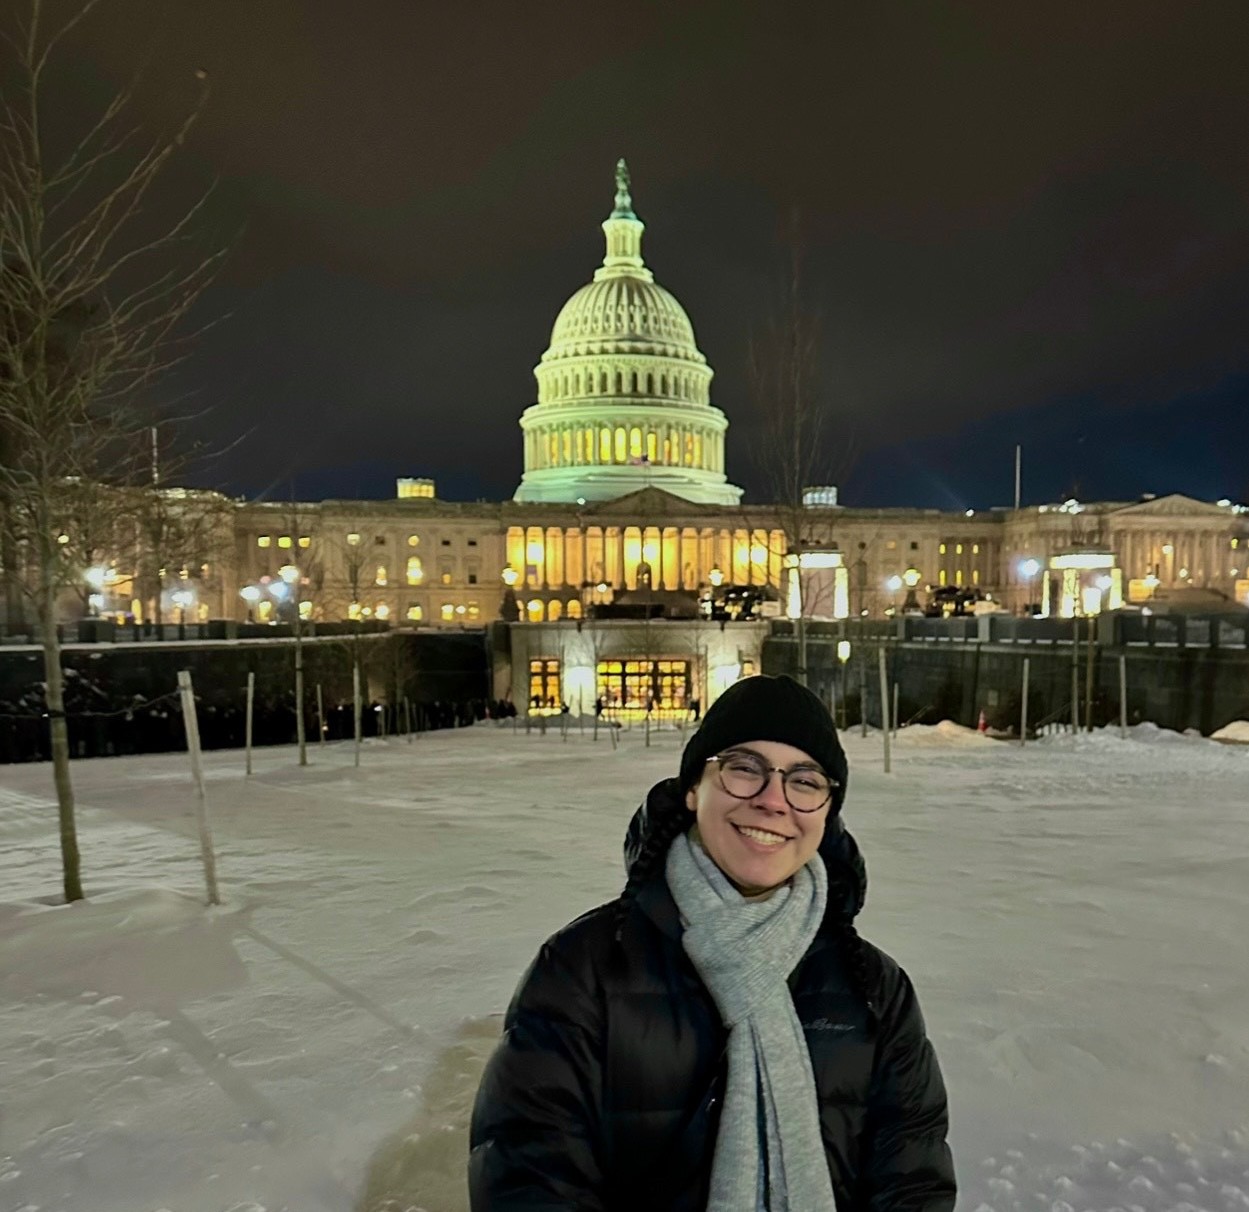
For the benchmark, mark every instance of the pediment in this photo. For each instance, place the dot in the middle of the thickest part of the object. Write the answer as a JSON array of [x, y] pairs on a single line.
[[1173, 505], [651, 502]]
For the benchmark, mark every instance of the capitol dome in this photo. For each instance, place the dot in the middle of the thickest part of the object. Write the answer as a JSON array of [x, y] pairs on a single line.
[[624, 393]]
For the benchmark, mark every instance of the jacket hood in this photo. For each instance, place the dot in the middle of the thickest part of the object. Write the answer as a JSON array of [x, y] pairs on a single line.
[[847, 872]]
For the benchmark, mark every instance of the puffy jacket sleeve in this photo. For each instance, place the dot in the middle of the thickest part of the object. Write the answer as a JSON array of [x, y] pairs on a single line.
[[535, 1130], [907, 1165]]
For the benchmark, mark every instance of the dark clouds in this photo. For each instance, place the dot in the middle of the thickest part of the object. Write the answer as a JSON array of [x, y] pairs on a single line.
[[1027, 223]]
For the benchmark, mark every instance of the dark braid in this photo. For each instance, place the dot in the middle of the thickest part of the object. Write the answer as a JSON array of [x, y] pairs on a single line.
[[855, 954], [663, 831]]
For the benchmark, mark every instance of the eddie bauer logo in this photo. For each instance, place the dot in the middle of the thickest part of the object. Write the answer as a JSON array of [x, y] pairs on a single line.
[[826, 1024]]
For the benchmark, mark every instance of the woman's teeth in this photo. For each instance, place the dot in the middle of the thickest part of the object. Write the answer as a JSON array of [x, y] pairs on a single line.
[[760, 835]]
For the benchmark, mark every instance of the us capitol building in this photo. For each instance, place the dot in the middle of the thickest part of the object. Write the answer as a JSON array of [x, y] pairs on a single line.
[[624, 514]]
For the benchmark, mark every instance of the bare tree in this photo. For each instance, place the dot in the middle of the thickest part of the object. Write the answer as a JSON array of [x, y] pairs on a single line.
[[92, 306], [784, 372]]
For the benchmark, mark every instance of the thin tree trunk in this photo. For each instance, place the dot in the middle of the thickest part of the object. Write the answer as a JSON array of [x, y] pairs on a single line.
[[59, 734]]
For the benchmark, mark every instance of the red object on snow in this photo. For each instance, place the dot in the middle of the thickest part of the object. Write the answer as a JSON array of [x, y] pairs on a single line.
[[983, 725]]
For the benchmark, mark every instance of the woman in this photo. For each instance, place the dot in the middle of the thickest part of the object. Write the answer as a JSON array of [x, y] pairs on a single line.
[[719, 1037]]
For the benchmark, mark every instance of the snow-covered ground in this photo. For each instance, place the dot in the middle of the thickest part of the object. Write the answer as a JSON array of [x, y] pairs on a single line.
[[1075, 915]]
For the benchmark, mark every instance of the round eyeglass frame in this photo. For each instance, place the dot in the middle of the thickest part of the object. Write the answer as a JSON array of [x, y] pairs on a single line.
[[833, 784]]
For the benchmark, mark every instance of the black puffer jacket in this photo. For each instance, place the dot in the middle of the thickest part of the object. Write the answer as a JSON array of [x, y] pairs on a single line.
[[605, 1090]]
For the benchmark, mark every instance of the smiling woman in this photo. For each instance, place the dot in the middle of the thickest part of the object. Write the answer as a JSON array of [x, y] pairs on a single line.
[[721, 1019]]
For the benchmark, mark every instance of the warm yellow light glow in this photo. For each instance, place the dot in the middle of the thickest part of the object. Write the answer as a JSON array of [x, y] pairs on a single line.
[[533, 552], [353, 539], [1083, 560], [289, 573], [416, 573], [305, 540], [415, 614], [382, 611], [305, 610], [264, 540], [380, 578], [534, 607], [510, 575], [284, 541], [893, 584], [414, 540], [911, 577], [716, 577], [843, 651]]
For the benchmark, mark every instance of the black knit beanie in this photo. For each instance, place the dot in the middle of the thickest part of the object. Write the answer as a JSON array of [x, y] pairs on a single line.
[[766, 709]]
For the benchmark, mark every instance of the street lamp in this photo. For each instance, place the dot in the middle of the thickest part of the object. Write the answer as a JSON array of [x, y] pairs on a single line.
[[510, 576], [1028, 569], [716, 577]]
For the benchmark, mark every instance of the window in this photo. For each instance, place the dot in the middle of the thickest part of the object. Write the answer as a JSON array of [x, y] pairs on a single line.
[[445, 578], [473, 610], [448, 612], [414, 540], [265, 540], [941, 548], [975, 576], [892, 545], [379, 540], [472, 578], [958, 549], [914, 545], [415, 613], [382, 611], [544, 682], [353, 539], [958, 576], [381, 578], [445, 543], [305, 540], [305, 610], [941, 577], [284, 541], [472, 542], [416, 571], [535, 610], [975, 549]]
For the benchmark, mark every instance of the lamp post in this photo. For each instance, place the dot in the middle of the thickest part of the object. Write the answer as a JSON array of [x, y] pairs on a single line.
[[843, 658], [1028, 569], [910, 578]]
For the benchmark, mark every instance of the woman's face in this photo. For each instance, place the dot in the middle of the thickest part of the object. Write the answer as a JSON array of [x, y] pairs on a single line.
[[758, 842]]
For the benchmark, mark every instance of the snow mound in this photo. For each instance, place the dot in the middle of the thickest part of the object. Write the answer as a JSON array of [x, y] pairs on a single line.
[[1237, 730], [945, 733]]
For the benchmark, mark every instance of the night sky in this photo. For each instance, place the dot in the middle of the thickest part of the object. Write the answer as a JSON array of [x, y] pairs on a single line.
[[1026, 223]]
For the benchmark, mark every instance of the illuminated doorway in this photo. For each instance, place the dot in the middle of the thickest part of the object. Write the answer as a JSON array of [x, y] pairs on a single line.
[[638, 685], [544, 689]]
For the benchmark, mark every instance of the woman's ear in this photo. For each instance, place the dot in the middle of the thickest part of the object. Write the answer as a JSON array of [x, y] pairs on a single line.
[[691, 799]]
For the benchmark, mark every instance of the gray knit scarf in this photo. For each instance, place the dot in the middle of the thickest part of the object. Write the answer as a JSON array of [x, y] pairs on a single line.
[[769, 1155]]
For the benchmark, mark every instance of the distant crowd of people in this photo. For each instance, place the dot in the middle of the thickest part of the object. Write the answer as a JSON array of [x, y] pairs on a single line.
[[108, 724]]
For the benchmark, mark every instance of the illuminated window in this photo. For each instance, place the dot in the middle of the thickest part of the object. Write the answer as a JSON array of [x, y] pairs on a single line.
[[264, 611], [305, 540], [353, 611], [1235, 544], [958, 549], [382, 611], [535, 610], [284, 540], [622, 455], [353, 539], [448, 612], [305, 610], [267, 541], [416, 572], [381, 578], [941, 549], [473, 610], [941, 577], [415, 613], [544, 683], [975, 576], [892, 545], [446, 578], [574, 608], [414, 540], [958, 576], [555, 611], [975, 549]]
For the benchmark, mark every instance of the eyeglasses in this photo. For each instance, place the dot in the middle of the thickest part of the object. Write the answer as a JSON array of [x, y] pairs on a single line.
[[744, 775]]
